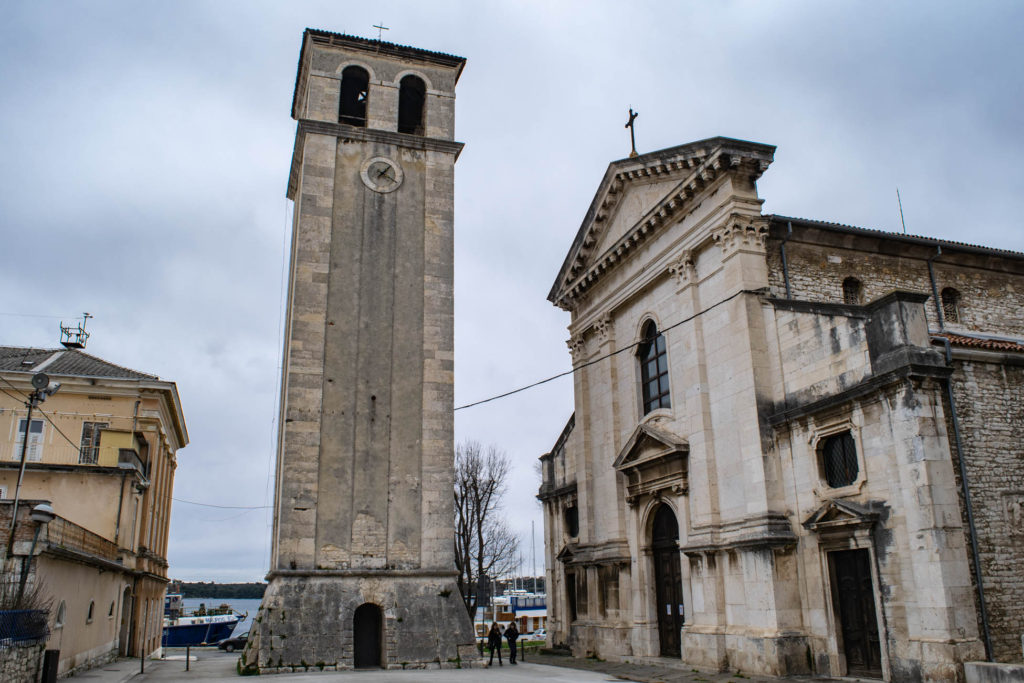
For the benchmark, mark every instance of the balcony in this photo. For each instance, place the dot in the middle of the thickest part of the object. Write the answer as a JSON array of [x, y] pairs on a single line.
[[115, 449], [66, 535]]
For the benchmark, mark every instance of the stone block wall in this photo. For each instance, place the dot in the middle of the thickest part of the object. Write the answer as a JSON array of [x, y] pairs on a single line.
[[990, 406], [21, 662], [991, 300]]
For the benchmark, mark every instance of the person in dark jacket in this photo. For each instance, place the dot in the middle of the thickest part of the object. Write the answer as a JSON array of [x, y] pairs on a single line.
[[494, 642], [511, 634]]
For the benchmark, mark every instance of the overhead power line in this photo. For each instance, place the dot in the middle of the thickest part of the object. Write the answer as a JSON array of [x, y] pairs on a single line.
[[609, 355]]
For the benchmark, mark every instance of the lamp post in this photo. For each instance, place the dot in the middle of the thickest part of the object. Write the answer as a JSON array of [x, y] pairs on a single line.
[[43, 389], [42, 515]]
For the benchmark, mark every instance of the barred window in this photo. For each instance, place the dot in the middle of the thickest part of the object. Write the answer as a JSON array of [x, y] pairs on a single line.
[[89, 451], [851, 291], [653, 357], [839, 460], [950, 305]]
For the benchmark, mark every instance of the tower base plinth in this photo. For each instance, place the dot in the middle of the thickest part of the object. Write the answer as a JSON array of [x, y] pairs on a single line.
[[328, 620]]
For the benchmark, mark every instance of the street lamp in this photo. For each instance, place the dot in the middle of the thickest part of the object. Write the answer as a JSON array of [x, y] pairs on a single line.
[[44, 388], [42, 515]]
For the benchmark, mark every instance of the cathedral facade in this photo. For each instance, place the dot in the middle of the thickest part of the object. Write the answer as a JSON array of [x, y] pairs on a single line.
[[796, 445]]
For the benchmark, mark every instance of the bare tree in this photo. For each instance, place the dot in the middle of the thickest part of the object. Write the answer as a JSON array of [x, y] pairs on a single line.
[[484, 545]]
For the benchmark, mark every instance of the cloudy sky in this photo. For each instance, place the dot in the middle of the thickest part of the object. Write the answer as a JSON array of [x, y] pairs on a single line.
[[145, 150]]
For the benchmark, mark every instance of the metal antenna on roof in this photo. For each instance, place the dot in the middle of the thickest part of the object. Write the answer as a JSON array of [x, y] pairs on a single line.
[[901, 210], [75, 338], [380, 30]]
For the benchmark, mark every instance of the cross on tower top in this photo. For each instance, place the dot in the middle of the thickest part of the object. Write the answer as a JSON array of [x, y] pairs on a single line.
[[380, 29]]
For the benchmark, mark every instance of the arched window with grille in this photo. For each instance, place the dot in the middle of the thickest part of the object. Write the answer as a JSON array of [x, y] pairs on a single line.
[[839, 460], [653, 356], [412, 94], [852, 291], [950, 305], [355, 84]]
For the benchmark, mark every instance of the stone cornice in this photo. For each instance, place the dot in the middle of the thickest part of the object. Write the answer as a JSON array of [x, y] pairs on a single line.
[[703, 163], [345, 132]]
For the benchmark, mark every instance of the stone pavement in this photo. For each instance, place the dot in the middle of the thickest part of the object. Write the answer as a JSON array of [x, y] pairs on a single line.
[[210, 664]]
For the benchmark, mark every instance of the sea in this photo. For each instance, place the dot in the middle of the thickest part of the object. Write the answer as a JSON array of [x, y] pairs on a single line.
[[242, 605]]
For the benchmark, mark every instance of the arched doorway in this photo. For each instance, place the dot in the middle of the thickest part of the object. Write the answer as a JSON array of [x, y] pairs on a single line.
[[366, 636], [123, 646], [667, 580]]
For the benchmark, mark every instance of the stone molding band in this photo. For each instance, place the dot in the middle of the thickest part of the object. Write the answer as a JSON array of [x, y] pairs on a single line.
[[362, 573], [347, 132]]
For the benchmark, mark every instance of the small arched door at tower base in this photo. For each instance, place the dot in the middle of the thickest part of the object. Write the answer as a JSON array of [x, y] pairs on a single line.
[[367, 636], [667, 580]]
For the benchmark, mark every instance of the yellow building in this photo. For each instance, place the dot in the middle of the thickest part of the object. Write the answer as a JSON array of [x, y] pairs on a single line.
[[102, 452]]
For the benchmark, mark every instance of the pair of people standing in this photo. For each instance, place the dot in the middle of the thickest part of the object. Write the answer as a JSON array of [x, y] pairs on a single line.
[[494, 642]]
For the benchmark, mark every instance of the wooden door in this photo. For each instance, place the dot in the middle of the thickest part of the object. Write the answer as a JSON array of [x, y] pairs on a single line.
[[366, 637], [667, 580], [856, 602]]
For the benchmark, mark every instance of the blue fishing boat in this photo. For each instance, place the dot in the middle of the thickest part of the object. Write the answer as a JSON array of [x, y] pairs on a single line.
[[202, 627]]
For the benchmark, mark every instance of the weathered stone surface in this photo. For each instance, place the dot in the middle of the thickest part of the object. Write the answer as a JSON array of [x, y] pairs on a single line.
[[363, 508], [768, 360]]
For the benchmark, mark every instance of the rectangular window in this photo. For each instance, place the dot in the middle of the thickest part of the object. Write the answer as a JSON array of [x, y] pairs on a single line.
[[89, 452], [608, 579], [34, 452], [570, 594], [3, 492]]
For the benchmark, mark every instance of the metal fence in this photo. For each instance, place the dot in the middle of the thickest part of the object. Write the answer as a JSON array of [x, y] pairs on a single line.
[[23, 625]]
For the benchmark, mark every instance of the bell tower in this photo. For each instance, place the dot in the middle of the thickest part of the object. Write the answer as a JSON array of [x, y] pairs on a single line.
[[362, 567]]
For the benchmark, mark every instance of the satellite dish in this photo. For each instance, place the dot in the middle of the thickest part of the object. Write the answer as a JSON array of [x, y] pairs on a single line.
[[40, 380]]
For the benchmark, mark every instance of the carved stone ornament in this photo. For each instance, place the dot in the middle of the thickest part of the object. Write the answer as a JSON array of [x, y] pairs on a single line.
[[604, 329], [577, 347], [654, 462], [742, 233], [683, 269]]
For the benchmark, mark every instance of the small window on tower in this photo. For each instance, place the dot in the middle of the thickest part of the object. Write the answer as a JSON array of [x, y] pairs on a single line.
[[355, 83], [412, 94], [951, 305], [851, 291]]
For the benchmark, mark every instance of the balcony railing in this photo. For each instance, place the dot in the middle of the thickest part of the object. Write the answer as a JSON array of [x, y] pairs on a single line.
[[62, 533], [66, 454]]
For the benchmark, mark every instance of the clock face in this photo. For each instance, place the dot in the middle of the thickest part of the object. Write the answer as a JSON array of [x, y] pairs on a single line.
[[381, 174]]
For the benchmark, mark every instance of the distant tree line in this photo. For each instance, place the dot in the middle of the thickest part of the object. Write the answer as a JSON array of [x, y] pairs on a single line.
[[209, 589]]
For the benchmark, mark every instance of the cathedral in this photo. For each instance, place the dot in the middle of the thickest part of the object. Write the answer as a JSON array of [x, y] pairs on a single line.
[[796, 445]]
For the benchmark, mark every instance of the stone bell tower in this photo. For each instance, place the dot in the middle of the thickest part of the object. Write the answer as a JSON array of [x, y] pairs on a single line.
[[362, 567]]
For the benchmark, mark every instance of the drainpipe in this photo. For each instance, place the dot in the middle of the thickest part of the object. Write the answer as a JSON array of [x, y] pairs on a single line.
[[785, 264], [935, 292], [120, 502], [965, 488]]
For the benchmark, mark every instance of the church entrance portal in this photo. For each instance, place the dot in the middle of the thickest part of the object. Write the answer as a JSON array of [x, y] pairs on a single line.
[[667, 580], [366, 637], [855, 598]]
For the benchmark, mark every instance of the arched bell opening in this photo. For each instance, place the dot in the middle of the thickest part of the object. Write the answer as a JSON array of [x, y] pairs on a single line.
[[367, 637]]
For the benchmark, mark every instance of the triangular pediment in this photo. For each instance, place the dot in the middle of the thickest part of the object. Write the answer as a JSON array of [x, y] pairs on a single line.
[[649, 443], [840, 514], [640, 196], [566, 554]]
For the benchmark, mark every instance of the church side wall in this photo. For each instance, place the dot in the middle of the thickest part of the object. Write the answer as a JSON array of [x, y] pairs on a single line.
[[990, 406], [992, 301]]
